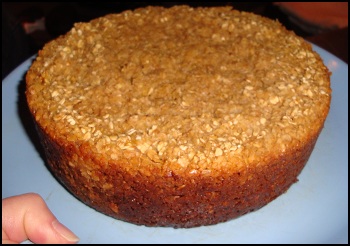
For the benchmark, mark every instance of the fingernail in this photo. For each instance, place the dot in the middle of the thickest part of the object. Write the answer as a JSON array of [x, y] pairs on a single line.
[[64, 231]]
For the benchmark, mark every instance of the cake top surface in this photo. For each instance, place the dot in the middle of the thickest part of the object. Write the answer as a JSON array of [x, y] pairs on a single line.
[[186, 88]]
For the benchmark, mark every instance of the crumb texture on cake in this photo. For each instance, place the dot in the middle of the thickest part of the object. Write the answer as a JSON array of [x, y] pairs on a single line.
[[201, 94]]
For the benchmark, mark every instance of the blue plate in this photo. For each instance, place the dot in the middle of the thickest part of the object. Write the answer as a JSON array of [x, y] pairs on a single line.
[[313, 210]]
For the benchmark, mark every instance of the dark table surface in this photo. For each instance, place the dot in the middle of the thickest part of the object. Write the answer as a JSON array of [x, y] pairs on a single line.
[[17, 46], [335, 42]]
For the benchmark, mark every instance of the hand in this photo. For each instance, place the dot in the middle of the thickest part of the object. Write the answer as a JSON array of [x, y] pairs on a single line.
[[28, 217]]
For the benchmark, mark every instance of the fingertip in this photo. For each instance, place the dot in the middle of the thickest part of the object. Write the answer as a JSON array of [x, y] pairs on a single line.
[[63, 231], [27, 217]]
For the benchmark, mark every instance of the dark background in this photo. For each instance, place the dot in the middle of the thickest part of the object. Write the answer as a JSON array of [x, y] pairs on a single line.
[[49, 20]]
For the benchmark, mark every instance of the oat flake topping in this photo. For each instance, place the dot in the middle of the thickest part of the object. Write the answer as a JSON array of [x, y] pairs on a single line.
[[183, 88]]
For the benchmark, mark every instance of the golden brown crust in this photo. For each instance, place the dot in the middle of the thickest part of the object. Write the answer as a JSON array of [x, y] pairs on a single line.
[[178, 117], [166, 198]]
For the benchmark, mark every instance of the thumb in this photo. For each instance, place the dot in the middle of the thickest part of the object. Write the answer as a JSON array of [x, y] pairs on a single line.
[[28, 217]]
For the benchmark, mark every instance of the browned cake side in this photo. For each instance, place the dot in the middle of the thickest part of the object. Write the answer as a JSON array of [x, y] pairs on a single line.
[[178, 117]]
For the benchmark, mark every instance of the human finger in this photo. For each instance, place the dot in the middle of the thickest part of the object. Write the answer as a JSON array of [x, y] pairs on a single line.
[[27, 216]]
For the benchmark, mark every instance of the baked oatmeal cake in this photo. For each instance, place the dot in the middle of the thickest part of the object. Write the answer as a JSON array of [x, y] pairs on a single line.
[[178, 117]]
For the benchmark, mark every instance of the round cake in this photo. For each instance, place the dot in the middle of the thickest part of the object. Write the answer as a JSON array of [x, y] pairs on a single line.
[[178, 117]]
